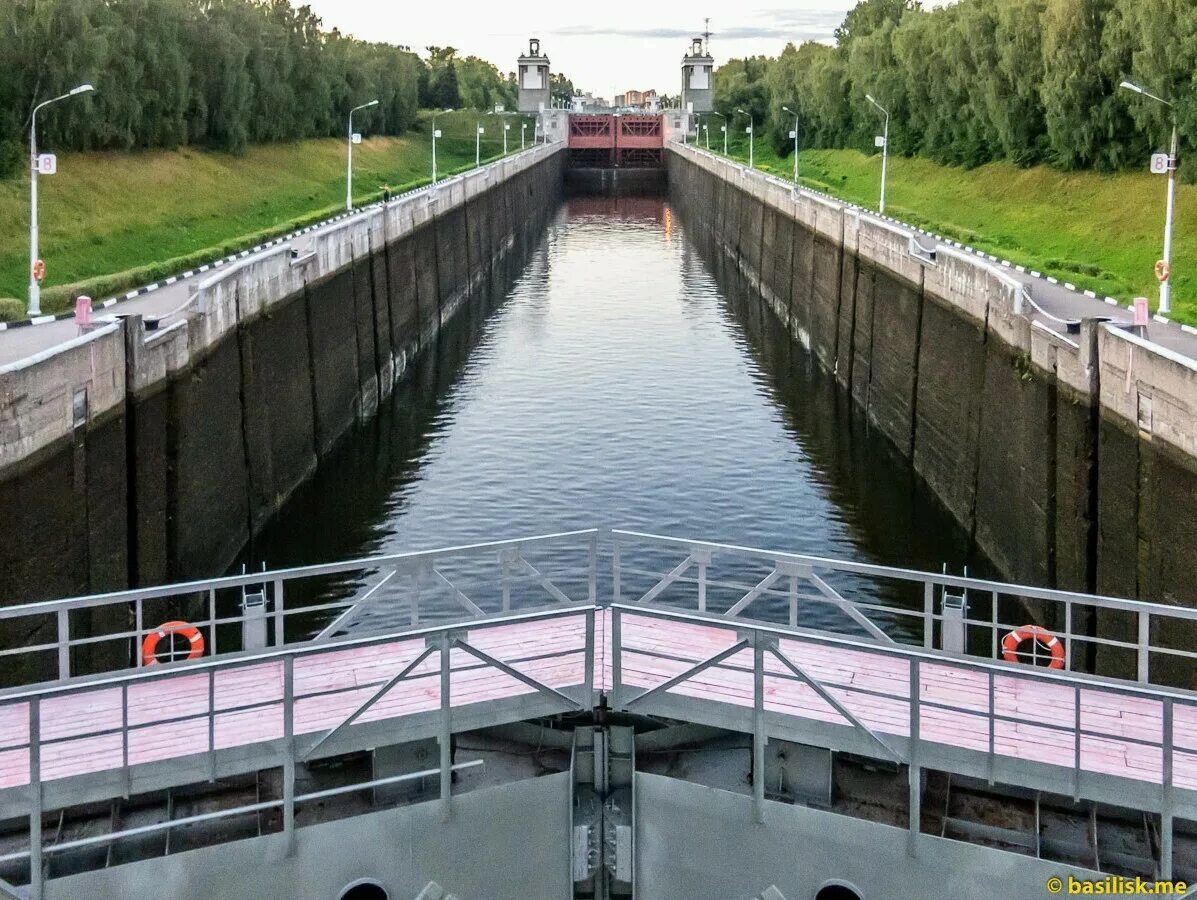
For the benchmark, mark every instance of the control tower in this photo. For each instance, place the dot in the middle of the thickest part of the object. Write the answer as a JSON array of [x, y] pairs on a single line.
[[533, 73], [698, 78]]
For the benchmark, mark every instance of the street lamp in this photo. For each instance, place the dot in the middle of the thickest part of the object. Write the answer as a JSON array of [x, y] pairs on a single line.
[[506, 128], [884, 149], [706, 135], [35, 291], [435, 135], [722, 128], [478, 143], [349, 172], [794, 135], [750, 132], [523, 128], [1166, 270]]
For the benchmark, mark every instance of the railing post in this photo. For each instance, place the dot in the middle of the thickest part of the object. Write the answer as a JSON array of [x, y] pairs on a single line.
[[415, 597], [36, 876], [592, 589], [616, 657], [758, 730], [1076, 743], [615, 576], [289, 752], [212, 619], [139, 625], [793, 601], [1144, 655], [994, 640], [992, 728], [589, 659], [1166, 805], [64, 643], [915, 771], [446, 735], [703, 561], [504, 554], [127, 776], [212, 724], [1068, 635], [280, 636], [929, 614]]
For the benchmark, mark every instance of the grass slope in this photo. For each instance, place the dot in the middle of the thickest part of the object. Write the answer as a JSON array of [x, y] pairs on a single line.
[[113, 221], [1102, 232]]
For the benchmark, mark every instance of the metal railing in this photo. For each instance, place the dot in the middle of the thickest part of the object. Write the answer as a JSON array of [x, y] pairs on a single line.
[[310, 602], [770, 603], [991, 721], [1138, 640], [282, 742]]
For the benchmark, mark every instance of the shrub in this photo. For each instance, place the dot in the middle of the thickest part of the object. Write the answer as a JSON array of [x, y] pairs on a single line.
[[11, 309]]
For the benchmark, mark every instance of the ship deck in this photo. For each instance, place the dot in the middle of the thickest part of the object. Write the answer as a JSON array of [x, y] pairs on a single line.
[[668, 650]]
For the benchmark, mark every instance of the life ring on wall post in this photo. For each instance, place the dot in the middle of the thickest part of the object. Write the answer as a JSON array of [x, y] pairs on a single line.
[[1162, 271], [149, 647], [39, 270], [1011, 642]]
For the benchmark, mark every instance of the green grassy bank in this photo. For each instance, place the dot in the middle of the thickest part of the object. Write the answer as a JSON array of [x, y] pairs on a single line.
[[113, 221], [1101, 232]]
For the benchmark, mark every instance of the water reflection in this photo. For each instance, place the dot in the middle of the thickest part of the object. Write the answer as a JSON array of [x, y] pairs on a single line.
[[622, 381]]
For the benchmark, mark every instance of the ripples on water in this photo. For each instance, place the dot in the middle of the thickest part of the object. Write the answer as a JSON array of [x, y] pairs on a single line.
[[617, 384]]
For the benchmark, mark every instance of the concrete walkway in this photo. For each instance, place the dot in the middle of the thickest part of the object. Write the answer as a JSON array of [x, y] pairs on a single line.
[[165, 299], [1061, 302]]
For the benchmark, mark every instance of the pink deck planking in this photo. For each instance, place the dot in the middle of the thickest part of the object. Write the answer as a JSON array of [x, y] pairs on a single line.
[[328, 685], [875, 687]]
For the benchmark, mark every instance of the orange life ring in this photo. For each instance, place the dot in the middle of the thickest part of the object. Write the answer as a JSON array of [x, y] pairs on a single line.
[[1033, 633], [149, 646], [39, 270], [1162, 271]]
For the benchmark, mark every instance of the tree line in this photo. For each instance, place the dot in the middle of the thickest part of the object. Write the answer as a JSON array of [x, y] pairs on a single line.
[[216, 73], [1029, 81]]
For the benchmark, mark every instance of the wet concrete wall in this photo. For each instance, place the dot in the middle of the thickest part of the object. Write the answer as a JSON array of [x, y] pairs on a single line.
[[1049, 449], [198, 432]]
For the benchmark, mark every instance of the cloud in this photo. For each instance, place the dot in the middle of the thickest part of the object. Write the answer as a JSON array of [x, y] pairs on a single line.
[[774, 24]]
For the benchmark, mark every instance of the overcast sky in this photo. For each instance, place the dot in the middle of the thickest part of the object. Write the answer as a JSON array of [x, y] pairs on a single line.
[[606, 47]]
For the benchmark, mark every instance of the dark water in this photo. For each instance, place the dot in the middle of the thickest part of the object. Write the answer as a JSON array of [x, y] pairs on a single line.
[[619, 383]]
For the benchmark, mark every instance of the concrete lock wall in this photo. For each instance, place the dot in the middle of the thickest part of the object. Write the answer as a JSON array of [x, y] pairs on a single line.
[[134, 456], [1071, 460]]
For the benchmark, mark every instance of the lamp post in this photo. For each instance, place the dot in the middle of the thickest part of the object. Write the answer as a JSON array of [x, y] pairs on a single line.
[[706, 135], [794, 135], [523, 128], [1166, 270], [506, 128], [435, 135], [884, 149], [723, 128], [478, 144], [349, 170], [35, 292], [751, 135]]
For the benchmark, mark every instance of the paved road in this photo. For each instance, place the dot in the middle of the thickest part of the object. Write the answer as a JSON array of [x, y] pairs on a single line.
[[1058, 301], [165, 300], [169, 296], [1061, 302]]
